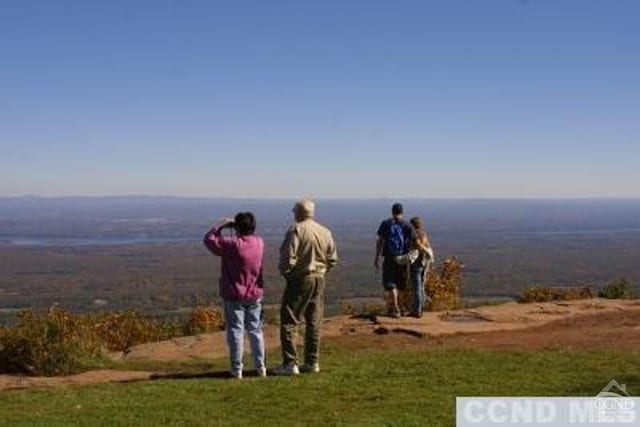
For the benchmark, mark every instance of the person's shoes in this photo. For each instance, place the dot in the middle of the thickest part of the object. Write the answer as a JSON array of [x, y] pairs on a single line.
[[416, 314], [312, 368], [262, 372], [287, 369], [394, 313], [237, 375]]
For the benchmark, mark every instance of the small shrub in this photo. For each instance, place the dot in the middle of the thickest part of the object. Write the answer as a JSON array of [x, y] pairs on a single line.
[[577, 293], [204, 318], [619, 289], [58, 342], [443, 286], [55, 342], [536, 293], [118, 331]]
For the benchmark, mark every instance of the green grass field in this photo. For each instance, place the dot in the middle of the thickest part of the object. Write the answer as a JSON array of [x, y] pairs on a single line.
[[358, 386]]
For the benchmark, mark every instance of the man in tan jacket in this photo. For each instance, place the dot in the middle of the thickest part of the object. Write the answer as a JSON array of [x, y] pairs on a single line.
[[306, 255]]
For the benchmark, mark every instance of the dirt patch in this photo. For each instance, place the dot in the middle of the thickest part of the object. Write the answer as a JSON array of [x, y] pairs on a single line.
[[498, 318], [618, 330], [606, 331]]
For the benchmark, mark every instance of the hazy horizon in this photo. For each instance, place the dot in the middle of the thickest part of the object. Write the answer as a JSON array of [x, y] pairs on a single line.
[[328, 198]]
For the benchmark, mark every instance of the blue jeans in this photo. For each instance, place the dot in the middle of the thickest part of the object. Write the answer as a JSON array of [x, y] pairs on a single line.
[[241, 315], [417, 281]]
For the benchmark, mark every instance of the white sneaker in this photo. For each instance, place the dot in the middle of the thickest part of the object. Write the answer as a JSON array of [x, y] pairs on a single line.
[[236, 375], [262, 372], [287, 369], [314, 368]]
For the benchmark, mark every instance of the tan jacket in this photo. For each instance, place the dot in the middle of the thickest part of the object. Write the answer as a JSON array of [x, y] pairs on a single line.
[[308, 249]]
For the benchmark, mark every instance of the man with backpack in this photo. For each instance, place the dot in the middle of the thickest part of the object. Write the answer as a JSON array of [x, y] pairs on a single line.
[[395, 237]]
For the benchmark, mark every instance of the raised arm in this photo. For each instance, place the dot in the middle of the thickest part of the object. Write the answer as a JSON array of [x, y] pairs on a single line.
[[214, 241]]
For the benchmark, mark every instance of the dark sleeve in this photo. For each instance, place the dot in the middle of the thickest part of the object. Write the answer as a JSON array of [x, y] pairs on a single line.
[[383, 229]]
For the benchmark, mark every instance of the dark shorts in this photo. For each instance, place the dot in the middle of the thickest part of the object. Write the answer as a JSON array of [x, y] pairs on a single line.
[[394, 275]]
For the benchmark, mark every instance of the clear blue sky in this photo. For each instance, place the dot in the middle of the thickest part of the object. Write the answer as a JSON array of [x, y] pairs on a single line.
[[344, 98]]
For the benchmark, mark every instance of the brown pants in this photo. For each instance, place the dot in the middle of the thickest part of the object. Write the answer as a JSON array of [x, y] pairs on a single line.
[[303, 298]]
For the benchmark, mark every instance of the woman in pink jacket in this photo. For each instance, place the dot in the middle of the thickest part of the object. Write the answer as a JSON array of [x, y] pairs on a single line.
[[241, 286]]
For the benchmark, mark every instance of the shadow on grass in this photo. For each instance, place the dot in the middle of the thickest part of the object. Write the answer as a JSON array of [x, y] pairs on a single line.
[[225, 375]]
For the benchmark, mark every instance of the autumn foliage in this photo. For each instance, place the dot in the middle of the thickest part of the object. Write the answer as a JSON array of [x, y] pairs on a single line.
[[58, 342], [442, 285], [537, 293]]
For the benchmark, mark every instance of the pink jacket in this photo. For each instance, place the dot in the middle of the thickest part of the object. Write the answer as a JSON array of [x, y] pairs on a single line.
[[242, 258]]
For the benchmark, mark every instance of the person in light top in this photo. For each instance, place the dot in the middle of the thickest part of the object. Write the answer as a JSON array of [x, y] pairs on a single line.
[[307, 253]]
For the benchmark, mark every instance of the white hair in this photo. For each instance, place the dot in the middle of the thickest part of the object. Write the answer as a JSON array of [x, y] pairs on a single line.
[[306, 207]]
